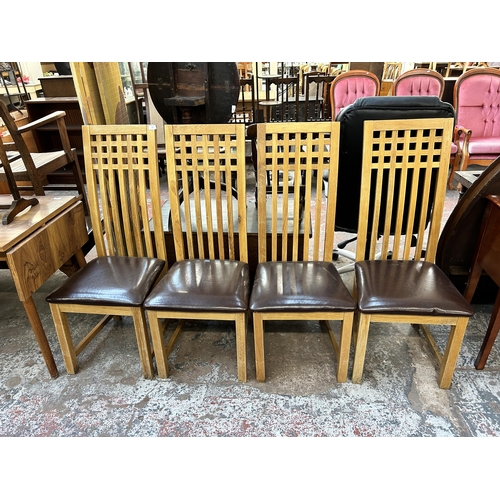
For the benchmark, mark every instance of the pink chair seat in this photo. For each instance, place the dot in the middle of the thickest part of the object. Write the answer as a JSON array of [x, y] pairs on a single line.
[[484, 145]]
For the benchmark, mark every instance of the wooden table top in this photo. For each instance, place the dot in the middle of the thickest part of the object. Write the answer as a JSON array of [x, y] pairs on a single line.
[[30, 220]]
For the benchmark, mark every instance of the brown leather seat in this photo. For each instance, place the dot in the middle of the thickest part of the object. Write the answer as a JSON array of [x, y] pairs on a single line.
[[110, 281], [299, 286], [203, 285], [408, 287]]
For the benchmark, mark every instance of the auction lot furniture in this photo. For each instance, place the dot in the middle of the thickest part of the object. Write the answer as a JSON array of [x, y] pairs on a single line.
[[35, 245], [403, 186], [123, 182], [210, 279], [298, 280]]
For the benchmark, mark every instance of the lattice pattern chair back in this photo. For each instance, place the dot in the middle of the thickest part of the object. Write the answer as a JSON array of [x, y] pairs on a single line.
[[300, 153], [213, 221], [403, 187], [124, 191]]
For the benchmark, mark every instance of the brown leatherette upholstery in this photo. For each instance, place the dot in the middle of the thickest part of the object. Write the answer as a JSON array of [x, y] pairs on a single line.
[[202, 285], [408, 287], [297, 286], [112, 280]]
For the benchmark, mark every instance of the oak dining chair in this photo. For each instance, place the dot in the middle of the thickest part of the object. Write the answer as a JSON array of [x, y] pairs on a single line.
[[121, 164], [404, 172], [295, 277], [210, 278]]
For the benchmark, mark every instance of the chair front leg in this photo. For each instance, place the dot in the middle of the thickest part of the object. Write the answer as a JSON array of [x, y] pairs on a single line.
[[360, 348], [241, 346], [65, 340], [452, 350], [143, 343], [158, 344], [344, 347], [258, 333]]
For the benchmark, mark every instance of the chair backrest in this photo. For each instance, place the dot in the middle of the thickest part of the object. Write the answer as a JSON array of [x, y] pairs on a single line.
[[12, 128], [351, 121], [286, 92], [352, 85], [476, 98], [207, 190], [121, 167], [419, 81], [317, 97], [294, 212], [402, 159]]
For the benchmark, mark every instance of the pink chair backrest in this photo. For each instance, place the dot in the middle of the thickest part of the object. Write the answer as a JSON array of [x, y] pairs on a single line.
[[351, 85], [419, 82], [476, 99]]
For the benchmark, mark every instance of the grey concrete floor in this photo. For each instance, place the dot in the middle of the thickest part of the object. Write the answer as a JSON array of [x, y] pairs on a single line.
[[399, 395], [108, 397]]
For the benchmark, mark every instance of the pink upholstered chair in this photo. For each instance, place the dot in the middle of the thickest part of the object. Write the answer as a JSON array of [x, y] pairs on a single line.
[[476, 99], [423, 81], [419, 82], [351, 85]]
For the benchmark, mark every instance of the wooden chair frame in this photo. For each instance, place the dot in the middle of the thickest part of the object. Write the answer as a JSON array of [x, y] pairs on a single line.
[[124, 195], [391, 153], [33, 168], [207, 223], [306, 150]]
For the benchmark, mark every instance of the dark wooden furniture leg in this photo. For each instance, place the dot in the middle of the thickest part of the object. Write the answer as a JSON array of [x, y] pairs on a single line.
[[41, 338], [486, 258], [490, 336]]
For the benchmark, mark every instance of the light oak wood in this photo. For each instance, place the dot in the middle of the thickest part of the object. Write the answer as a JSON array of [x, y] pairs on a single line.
[[406, 150], [299, 212], [206, 223], [124, 194]]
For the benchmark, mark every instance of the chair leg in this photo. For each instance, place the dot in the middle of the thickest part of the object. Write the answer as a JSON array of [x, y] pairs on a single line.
[[490, 336], [258, 332], [344, 347], [241, 346], [143, 343], [80, 186], [360, 348], [452, 350], [65, 340], [158, 344]]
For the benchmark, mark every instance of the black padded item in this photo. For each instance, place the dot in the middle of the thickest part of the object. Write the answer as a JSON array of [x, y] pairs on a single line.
[[351, 120]]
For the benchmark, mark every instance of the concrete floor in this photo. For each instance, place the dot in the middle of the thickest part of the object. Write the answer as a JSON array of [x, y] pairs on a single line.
[[399, 395]]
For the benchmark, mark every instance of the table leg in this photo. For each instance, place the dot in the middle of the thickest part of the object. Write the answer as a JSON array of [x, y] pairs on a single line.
[[41, 338], [490, 336]]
